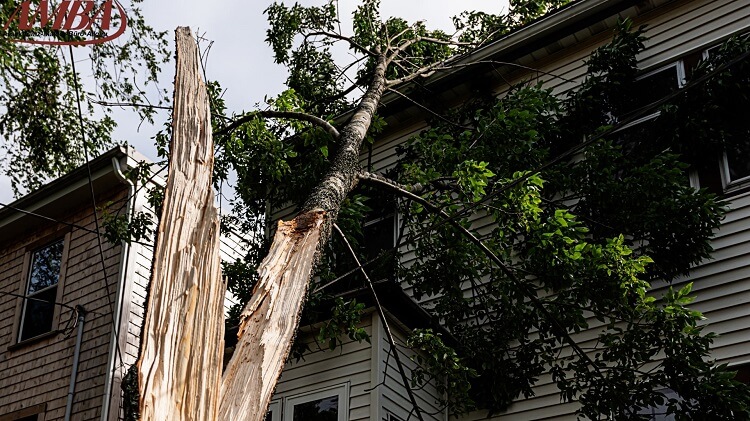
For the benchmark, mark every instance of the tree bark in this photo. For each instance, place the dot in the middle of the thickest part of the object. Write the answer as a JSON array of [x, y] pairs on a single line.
[[179, 368], [270, 319]]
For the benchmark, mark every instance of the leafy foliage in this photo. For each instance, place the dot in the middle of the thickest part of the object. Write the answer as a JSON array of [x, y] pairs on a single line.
[[39, 126], [584, 238]]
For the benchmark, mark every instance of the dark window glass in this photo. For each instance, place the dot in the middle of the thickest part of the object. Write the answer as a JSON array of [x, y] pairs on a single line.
[[739, 165], [379, 239], [41, 291], [326, 409], [654, 87]]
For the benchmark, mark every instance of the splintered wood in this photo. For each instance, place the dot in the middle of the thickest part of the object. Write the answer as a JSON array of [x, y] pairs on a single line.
[[270, 319], [182, 343]]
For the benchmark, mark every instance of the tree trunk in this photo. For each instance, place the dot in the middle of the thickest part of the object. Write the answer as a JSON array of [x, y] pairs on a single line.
[[270, 319], [179, 368]]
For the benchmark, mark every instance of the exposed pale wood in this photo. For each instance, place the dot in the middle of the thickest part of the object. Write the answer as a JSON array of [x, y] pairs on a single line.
[[180, 364], [270, 319]]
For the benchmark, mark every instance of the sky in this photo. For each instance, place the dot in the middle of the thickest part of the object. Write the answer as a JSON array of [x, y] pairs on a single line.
[[239, 57]]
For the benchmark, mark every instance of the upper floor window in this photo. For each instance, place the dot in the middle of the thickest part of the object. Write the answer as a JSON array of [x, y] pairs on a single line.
[[37, 313], [657, 84], [734, 164]]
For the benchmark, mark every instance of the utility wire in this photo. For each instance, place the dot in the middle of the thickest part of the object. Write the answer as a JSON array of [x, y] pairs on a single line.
[[57, 303], [116, 330], [58, 221]]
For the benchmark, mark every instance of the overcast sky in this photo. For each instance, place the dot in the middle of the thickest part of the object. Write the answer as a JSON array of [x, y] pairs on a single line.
[[240, 59]]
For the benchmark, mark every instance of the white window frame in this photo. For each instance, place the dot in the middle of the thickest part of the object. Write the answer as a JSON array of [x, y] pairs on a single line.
[[22, 305], [341, 391], [275, 409], [679, 65], [727, 183]]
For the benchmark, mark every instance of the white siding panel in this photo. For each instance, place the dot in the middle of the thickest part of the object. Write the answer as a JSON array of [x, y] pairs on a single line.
[[349, 364]]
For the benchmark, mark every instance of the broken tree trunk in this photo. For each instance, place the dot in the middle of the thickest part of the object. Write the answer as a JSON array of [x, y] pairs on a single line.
[[179, 369], [270, 319]]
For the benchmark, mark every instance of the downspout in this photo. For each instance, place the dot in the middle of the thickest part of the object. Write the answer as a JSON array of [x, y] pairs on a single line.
[[76, 356], [117, 317]]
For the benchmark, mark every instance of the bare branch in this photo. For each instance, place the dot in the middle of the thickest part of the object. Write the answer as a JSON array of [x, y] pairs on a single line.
[[129, 104], [280, 114], [339, 37]]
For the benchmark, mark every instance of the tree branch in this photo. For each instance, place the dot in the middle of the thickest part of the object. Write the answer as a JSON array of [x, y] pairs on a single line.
[[351, 42], [279, 114], [535, 301]]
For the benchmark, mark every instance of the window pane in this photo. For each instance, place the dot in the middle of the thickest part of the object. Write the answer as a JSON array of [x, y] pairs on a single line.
[[45, 267], [38, 315], [739, 166], [379, 238], [326, 409], [654, 87]]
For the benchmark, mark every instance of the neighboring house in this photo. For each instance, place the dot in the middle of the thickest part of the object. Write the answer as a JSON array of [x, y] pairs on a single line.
[[359, 381], [49, 251]]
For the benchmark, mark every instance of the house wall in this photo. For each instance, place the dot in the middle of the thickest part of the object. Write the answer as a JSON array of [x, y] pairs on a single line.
[[722, 284], [38, 372], [394, 398], [349, 364]]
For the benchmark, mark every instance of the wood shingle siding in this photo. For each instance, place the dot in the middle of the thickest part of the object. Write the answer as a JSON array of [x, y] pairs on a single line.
[[38, 372]]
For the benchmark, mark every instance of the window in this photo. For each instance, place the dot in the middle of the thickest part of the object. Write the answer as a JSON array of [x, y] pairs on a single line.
[[734, 165], [651, 87], [330, 404], [38, 308], [379, 233], [657, 84], [735, 168]]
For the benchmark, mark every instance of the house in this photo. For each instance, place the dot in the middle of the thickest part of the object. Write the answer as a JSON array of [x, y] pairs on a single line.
[[50, 248], [553, 50]]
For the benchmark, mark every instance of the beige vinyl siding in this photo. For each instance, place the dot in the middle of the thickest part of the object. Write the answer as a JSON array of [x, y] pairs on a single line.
[[393, 394], [322, 368], [39, 372]]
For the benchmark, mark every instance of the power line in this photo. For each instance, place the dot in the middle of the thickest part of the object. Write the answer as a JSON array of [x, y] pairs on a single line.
[[116, 330], [57, 303], [58, 221]]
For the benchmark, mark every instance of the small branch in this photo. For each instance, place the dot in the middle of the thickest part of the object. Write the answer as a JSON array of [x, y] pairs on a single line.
[[351, 42], [130, 104], [386, 327], [279, 114]]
